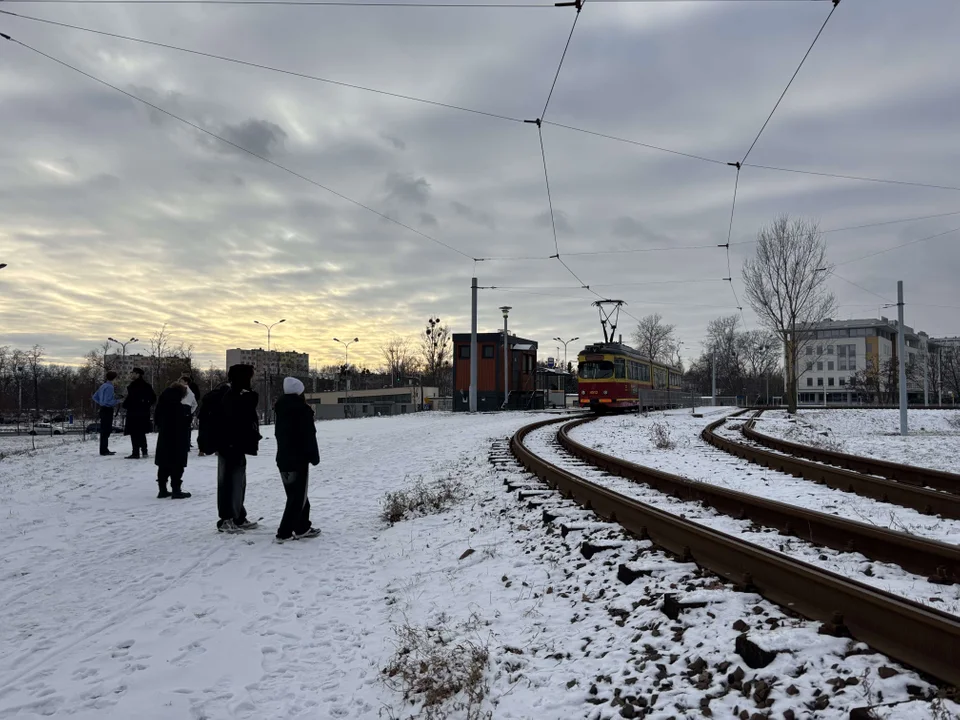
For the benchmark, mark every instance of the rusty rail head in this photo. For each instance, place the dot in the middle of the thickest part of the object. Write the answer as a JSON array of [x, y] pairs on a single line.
[[907, 474], [920, 499], [925, 638]]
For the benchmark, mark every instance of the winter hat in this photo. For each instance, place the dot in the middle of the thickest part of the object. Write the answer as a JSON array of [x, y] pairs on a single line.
[[292, 386]]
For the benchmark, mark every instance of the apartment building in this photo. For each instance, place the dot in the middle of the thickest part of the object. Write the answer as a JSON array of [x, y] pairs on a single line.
[[123, 365], [836, 349], [271, 362]]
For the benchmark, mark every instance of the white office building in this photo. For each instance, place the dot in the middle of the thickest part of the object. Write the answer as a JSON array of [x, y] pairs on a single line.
[[828, 361], [273, 362]]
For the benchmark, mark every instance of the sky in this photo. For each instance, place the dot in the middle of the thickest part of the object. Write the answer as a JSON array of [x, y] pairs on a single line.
[[116, 218]]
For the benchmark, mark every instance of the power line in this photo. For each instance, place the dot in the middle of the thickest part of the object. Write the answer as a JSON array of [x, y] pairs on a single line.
[[546, 178], [836, 3], [238, 147], [861, 287], [247, 63], [858, 178], [897, 247], [373, 3], [579, 6]]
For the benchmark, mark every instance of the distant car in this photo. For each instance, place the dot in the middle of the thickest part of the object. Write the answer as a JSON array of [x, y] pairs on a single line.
[[94, 428], [42, 428]]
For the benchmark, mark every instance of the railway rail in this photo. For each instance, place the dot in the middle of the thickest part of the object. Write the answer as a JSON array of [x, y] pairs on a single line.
[[906, 474], [930, 502], [920, 636]]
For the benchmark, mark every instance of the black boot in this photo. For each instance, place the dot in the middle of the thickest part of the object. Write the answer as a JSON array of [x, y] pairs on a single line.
[[178, 494], [164, 493]]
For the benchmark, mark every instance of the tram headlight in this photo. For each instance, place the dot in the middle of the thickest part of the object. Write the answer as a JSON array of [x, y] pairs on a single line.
[[605, 392]]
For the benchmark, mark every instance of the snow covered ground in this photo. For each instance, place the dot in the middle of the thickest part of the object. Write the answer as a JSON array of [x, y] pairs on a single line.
[[933, 441], [631, 438], [114, 604]]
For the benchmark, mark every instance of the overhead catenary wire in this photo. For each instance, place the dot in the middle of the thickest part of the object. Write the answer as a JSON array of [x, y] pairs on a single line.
[[897, 247], [376, 3], [236, 145], [857, 285]]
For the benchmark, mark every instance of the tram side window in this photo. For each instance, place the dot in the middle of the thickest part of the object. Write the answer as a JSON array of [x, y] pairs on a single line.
[[644, 373], [619, 365]]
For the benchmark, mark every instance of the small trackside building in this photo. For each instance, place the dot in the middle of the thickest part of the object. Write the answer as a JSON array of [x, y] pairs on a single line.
[[522, 372]]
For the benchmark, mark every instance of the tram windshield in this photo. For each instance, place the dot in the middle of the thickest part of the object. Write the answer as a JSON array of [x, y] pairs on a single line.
[[596, 370]]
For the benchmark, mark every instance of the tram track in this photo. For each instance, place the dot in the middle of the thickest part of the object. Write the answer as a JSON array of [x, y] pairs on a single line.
[[918, 635], [911, 475]]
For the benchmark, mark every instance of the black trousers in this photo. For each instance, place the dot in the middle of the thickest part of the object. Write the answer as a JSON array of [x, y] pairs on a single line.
[[106, 425], [138, 441], [231, 486], [296, 514], [174, 474]]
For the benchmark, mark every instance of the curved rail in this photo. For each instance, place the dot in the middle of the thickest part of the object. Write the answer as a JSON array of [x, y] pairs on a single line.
[[922, 499], [906, 474], [923, 637]]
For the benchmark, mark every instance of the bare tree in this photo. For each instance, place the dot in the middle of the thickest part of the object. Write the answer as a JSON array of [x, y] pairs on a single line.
[[786, 285], [655, 339], [159, 348], [435, 352], [33, 357], [398, 357], [18, 369]]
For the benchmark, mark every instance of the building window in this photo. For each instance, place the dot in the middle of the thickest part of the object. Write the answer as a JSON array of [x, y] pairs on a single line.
[[843, 381], [819, 382], [464, 352], [830, 365], [830, 382], [819, 349], [809, 349], [809, 382], [820, 365], [489, 351], [809, 366], [829, 349]]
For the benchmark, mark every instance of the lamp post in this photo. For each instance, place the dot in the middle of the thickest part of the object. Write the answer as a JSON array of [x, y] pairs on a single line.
[[267, 370], [505, 309], [346, 366], [123, 349], [565, 343]]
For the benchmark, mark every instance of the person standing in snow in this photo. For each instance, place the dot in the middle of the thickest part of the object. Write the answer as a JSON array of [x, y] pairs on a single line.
[[296, 450], [107, 399], [140, 398], [208, 425], [173, 426], [237, 436]]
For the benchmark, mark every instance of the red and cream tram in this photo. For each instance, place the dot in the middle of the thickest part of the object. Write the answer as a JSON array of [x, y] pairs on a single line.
[[615, 377]]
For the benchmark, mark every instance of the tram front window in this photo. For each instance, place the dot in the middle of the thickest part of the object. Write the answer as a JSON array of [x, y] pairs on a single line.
[[596, 370]]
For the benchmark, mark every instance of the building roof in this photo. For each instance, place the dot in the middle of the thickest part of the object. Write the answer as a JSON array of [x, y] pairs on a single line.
[[496, 337]]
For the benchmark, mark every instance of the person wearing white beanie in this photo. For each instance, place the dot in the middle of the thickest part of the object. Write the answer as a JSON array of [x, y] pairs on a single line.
[[296, 434]]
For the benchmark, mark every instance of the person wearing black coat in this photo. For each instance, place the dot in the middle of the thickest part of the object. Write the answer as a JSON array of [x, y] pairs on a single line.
[[140, 398], [237, 435], [209, 427], [297, 449], [173, 444]]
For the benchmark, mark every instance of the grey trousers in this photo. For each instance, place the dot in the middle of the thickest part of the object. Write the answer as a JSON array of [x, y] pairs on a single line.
[[231, 487]]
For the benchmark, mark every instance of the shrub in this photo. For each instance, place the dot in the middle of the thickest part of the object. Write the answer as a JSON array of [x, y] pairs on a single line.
[[420, 499], [660, 436]]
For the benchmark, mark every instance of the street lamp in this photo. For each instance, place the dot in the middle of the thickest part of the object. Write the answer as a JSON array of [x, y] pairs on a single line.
[[565, 343], [123, 351], [505, 309], [268, 376], [346, 366]]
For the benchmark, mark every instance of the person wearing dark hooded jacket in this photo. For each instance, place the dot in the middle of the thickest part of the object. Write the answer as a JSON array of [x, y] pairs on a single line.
[[140, 398], [173, 441], [297, 449], [237, 435]]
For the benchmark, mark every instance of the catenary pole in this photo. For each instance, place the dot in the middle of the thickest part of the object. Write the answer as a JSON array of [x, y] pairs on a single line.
[[713, 364], [901, 359], [473, 346], [506, 358], [926, 374]]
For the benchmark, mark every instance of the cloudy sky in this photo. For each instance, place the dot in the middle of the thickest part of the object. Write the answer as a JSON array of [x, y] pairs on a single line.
[[116, 218]]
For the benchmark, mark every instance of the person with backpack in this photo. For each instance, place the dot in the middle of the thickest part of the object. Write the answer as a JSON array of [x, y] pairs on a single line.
[[140, 398], [107, 399], [237, 435], [297, 449], [173, 447]]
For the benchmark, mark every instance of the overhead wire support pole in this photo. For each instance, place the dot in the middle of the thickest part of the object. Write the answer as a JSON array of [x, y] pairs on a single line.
[[902, 360]]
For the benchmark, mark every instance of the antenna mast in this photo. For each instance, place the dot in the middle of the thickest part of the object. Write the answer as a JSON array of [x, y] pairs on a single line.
[[609, 317]]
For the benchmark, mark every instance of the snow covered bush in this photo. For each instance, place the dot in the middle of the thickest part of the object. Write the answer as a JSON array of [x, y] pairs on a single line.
[[420, 499], [440, 675], [660, 436]]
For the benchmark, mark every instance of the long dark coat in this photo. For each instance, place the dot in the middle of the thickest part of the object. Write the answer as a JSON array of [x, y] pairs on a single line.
[[173, 426], [240, 434], [296, 434], [140, 398]]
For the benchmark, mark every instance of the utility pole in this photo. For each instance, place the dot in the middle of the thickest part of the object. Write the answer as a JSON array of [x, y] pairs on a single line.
[[565, 343], [940, 375], [473, 346], [268, 370], [901, 359], [713, 365], [505, 309], [926, 373]]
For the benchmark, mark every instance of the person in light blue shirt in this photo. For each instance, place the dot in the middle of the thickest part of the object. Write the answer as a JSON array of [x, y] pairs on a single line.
[[106, 397]]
